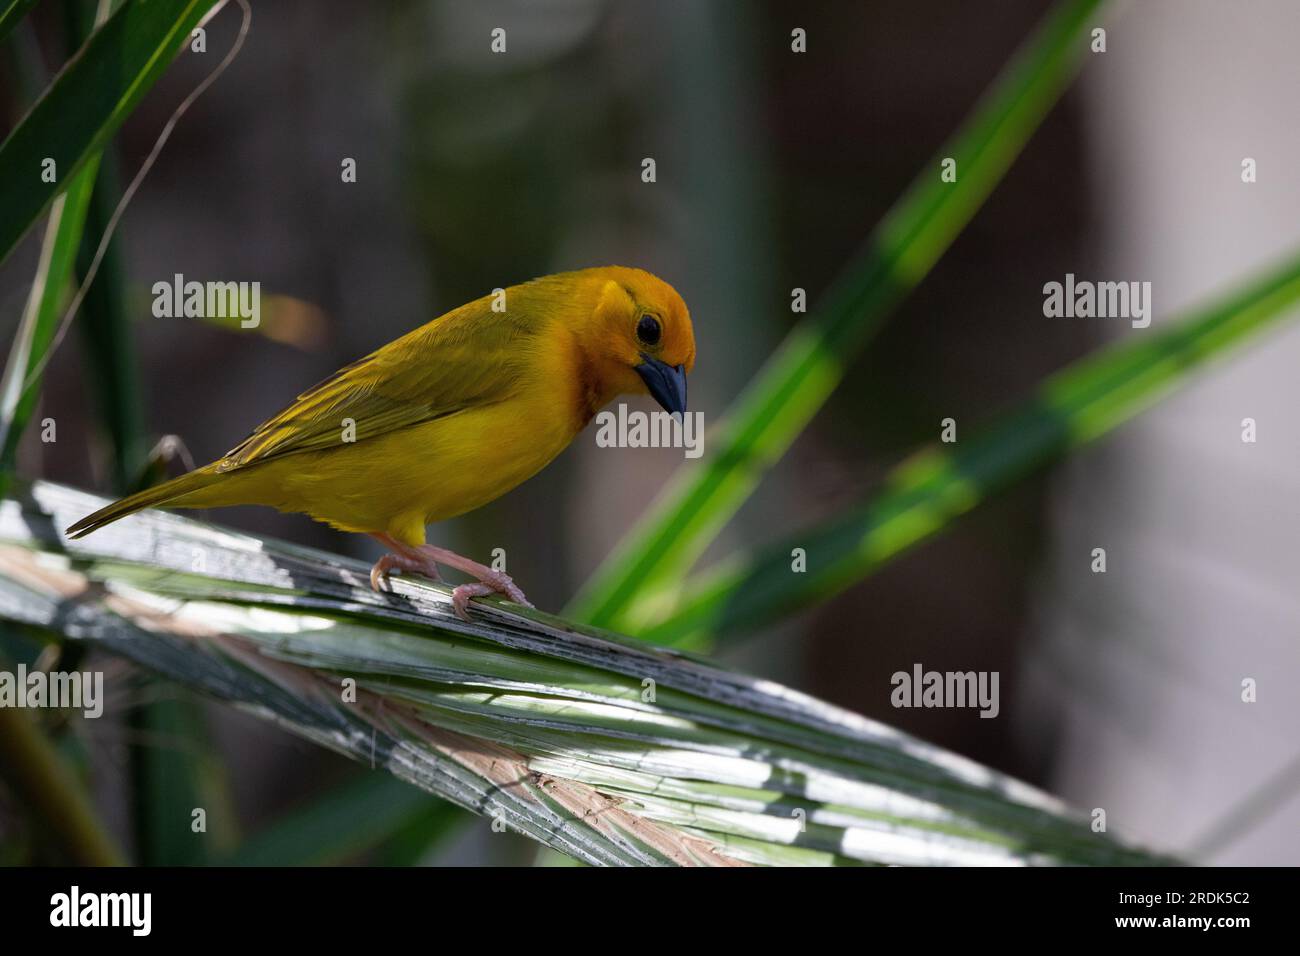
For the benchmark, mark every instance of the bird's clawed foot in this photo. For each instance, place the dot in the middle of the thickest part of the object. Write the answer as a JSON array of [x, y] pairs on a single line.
[[425, 559], [401, 562], [497, 583]]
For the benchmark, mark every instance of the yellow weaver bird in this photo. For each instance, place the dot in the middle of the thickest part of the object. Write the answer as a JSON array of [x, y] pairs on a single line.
[[451, 416]]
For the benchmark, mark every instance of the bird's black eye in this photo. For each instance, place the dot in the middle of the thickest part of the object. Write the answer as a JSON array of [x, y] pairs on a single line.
[[648, 330]]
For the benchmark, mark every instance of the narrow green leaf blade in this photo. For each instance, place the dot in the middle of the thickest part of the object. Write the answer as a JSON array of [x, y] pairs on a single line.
[[925, 493], [44, 308], [171, 773], [11, 14], [94, 92], [799, 378]]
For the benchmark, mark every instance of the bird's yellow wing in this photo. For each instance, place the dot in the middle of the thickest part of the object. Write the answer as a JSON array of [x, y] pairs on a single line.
[[469, 357]]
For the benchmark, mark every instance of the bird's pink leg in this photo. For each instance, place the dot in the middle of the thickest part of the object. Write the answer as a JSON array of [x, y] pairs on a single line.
[[424, 559]]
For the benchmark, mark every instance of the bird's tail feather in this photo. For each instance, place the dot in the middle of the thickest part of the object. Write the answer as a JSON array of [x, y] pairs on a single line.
[[168, 493]]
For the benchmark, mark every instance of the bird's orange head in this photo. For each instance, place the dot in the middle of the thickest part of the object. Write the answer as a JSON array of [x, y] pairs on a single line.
[[640, 336]]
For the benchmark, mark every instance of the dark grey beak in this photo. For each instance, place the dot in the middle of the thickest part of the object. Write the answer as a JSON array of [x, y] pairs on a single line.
[[666, 383]]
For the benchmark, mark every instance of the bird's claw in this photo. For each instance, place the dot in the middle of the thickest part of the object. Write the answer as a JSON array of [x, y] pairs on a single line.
[[504, 584], [499, 583], [379, 573]]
